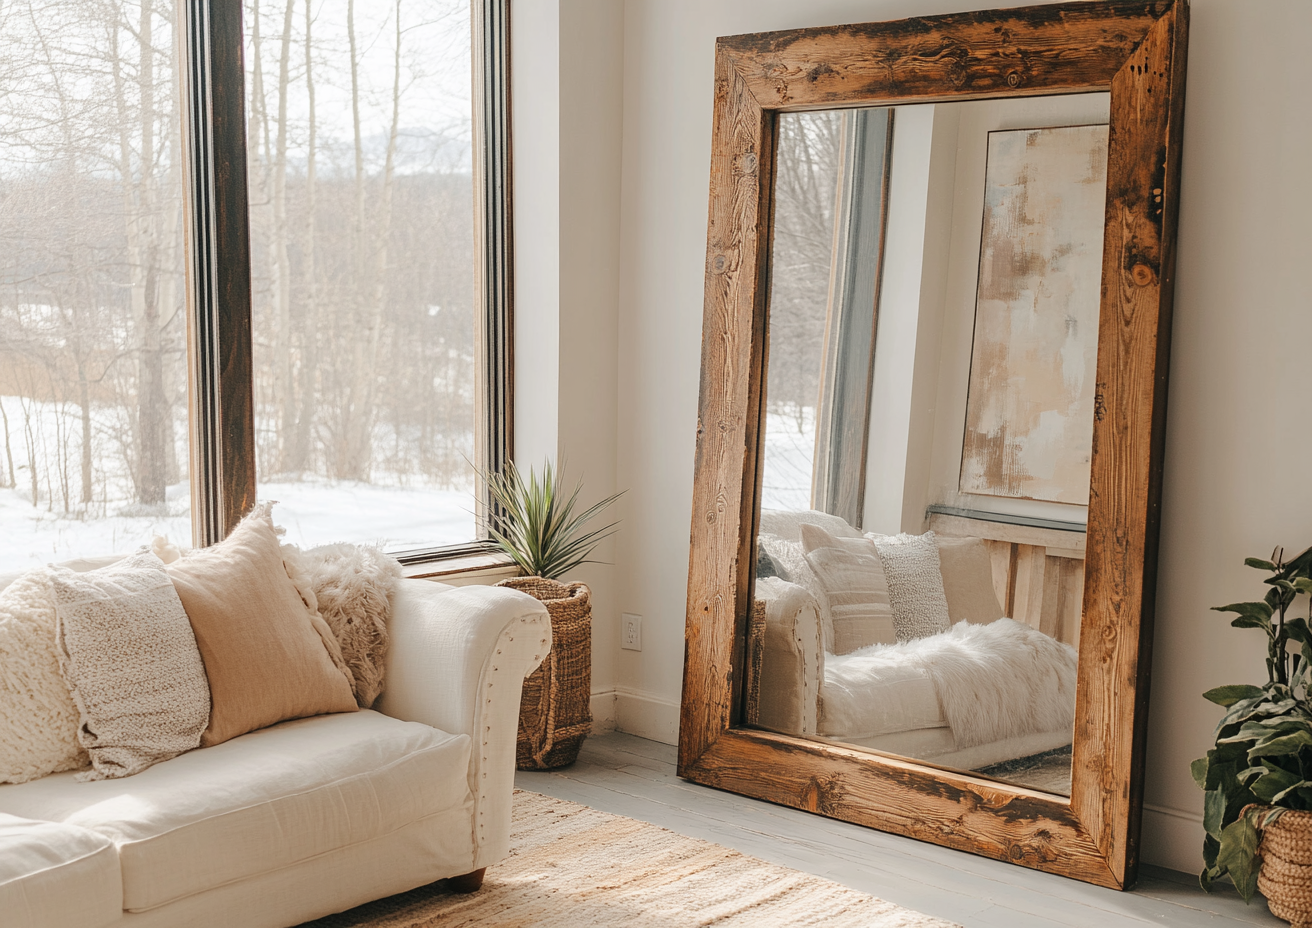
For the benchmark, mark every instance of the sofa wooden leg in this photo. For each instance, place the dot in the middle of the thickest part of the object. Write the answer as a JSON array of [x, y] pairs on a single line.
[[467, 882]]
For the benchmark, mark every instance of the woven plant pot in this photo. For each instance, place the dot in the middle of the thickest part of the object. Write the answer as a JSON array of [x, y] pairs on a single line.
[[1286, 875], [555, 712]]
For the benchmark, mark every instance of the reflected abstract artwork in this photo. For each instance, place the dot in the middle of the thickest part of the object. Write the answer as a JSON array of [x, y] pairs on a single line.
[[1029, 416]]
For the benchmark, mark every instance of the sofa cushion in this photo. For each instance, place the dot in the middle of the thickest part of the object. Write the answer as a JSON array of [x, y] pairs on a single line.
[[54, 875], [256, 803], [38, 718], [267, 655], [129, 657]]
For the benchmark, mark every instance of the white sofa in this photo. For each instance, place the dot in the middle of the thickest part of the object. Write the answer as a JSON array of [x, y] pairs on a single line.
[[305, 818], [806, 691]]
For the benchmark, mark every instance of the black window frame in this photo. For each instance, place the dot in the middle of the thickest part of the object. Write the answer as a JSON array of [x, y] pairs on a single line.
[[220, 365]]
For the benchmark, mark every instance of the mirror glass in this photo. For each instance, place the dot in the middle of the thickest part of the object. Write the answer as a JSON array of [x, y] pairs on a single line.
[[935, 275]]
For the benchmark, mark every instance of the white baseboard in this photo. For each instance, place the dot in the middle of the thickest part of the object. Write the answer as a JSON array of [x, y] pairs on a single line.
[[636, 713], [1172, 839], [603, 711]]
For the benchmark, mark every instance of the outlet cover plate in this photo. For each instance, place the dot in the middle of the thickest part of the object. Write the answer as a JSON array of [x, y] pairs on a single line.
[[631, 632]]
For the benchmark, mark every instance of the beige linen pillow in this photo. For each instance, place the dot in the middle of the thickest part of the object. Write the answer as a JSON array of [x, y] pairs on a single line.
[[129, 657], [38, 718], [852, 575], [967, 571], [268, 657], [915, 584]]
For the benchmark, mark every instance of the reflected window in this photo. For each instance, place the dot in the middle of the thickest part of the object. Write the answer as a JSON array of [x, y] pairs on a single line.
[[829, 216]]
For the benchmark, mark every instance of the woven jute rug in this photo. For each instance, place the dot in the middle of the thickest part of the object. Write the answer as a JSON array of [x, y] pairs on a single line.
[[575, 867]]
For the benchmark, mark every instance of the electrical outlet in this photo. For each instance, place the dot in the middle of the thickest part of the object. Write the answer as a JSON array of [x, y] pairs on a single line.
[[631, 632]]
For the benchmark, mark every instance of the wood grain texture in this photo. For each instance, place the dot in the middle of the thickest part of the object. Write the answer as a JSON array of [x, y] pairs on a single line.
[[904, 797], [1137, 51], [1129, 424], [725, 479], [1005, 531], [1057, 48], [1029, 577]]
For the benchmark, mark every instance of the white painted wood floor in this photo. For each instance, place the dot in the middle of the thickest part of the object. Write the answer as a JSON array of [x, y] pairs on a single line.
[[631, 776]]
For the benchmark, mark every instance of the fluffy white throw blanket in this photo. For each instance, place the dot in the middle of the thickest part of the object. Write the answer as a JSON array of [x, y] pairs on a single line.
[[996, 681], [351, 586]]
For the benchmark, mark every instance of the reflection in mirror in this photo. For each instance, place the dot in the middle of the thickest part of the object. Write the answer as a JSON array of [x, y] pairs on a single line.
[[933, 321]]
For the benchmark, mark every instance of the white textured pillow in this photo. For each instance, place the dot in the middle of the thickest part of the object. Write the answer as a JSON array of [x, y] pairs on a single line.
[[790, 560], [351, 587], [38, 718], [850, 571], [915, 584], [130, 659]]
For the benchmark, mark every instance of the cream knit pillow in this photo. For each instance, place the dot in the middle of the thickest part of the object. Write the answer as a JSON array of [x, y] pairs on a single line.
[[38, 718], [915, 584], [130, 659]]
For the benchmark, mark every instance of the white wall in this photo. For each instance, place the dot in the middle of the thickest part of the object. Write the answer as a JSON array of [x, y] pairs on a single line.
[[1235, 483], [566, 105]]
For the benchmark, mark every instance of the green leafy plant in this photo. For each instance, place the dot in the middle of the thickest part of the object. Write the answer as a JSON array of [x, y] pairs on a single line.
[[536, 523], [1262, 762]]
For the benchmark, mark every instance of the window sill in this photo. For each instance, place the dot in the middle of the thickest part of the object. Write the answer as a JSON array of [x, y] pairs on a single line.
[[480, 567]]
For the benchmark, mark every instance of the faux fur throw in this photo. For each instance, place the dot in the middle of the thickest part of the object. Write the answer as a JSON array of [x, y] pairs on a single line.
[[352, 587], [996, 681]]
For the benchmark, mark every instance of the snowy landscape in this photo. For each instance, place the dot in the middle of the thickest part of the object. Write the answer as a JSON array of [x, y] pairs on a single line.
[[361, 246]]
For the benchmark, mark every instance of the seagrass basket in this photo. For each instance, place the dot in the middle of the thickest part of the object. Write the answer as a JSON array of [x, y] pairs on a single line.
[[1286, 874], [555, 712]]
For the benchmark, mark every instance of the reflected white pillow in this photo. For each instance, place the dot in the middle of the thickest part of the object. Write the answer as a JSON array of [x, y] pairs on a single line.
[[790, 560], [850, 571], [915, 584]]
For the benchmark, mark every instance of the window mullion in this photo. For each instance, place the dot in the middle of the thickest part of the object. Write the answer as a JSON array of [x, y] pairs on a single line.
[[218, 267]]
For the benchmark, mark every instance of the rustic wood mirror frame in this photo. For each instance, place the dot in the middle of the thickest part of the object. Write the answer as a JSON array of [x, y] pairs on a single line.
[[1136, 50]]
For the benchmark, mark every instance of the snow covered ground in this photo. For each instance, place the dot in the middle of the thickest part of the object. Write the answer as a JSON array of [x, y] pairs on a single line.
[[313, 512], [789, 455]]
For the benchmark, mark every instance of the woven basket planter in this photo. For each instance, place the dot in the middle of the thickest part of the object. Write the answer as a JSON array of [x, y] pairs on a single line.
[[1286, 875], [555, 712]]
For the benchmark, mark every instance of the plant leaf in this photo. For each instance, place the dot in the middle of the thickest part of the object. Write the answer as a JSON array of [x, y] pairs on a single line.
[[1237, 855], [1261, 609], [1273, 784], [1258, 563], [1199, 770], [1229, 695], [1214, 803], [1282, 745]]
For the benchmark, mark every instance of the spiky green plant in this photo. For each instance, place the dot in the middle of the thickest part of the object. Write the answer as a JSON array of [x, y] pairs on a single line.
[[537, 525]]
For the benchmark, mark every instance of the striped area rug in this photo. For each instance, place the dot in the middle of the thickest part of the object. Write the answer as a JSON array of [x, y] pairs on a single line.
[[575, 867]]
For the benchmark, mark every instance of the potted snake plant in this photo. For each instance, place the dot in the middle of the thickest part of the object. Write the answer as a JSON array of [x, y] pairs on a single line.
[[537, 525], [1257, 778]]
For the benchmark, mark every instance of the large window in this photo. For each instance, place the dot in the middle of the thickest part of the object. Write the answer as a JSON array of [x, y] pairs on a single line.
[[93, 365], [342, 305]]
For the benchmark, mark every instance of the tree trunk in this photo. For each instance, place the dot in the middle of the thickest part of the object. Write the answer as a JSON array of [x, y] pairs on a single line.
[[298, 459], [282, 272], [9, 448]]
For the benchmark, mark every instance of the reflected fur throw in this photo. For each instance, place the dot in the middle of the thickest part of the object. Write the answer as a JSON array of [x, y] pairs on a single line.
[[995, 681], [352, 587]]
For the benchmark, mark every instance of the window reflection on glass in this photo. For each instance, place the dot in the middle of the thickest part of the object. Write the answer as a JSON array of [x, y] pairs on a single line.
[[93, 390], [829, 207], [361, 210]]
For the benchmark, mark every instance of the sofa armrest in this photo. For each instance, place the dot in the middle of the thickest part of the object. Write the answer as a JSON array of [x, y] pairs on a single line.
[[792, 667], [457, 661]]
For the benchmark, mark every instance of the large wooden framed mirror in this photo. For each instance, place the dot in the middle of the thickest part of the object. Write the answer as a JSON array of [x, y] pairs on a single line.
[[939, 276]]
